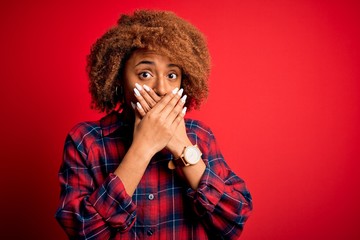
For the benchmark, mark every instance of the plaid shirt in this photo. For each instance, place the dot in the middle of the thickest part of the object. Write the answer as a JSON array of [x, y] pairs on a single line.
[[95, 205]]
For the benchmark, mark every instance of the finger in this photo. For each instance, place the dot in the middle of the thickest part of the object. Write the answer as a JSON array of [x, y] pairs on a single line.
[[137, 119], [156, 98], [140, 110], [141, 100], [143, 91], [172, 104], [178, 109], [163, 103], [178, 119]]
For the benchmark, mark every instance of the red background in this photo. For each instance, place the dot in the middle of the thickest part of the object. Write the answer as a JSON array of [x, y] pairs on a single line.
[[284, 104]]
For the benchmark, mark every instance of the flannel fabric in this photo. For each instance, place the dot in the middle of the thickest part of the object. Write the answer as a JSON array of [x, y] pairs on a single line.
[[94, 204]]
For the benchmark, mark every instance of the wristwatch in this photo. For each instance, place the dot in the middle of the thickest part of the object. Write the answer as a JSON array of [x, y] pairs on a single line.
[[191, 155]]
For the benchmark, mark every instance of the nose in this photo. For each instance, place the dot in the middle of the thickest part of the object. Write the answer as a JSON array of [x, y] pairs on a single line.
[[160, 86]]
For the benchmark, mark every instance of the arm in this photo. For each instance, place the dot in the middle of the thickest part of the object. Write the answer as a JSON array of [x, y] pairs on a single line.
[[192, 174], [87, 212], [221, 200], [219, 196]]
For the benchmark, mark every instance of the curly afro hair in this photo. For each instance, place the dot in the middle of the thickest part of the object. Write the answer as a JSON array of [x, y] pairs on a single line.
[[161, 31]]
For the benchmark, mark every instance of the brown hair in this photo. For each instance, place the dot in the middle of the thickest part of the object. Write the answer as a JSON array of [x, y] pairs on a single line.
[[161, 31]]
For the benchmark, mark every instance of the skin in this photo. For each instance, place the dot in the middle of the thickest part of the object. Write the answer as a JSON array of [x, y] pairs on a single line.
[[159, 117]]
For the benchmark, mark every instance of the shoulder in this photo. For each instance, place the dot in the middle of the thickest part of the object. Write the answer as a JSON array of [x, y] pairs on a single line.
[[89, 129], [82, 135], [199, 128], [97, 129], [201, 134], [85, 133], [197, 125]]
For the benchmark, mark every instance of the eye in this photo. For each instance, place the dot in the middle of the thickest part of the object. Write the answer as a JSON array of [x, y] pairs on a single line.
[[145, 75], [172, 76]]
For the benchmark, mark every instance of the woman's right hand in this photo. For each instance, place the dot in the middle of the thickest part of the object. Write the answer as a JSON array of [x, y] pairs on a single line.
[[153, 130]]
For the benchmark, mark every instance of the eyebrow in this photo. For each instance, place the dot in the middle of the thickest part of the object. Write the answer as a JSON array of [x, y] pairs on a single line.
[[145, 62], [152, 63]]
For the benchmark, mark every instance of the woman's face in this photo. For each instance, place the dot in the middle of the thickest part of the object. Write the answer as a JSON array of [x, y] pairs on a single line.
[[156, 71]]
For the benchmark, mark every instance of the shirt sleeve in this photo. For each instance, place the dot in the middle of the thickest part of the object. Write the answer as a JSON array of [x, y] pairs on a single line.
[[86, 212], [222, 200]]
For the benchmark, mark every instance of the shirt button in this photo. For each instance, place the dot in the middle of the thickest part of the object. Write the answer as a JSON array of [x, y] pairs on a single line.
[[151, 196], [150, 232]]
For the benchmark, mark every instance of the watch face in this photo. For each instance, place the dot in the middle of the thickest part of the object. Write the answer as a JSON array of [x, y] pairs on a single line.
[[192, 154]]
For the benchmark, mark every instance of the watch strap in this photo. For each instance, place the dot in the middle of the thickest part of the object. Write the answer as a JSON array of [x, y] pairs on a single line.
[[178, 162]]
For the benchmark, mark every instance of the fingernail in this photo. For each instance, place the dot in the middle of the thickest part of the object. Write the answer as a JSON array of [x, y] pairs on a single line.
[[133, 105], [175, 90], [184, 110], [147, 88], [180, 92], [183, 99], [137, 93], [138, 105], [138, 86]]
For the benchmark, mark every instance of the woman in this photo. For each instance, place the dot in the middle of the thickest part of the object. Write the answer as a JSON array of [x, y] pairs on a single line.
[[142, 170]]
